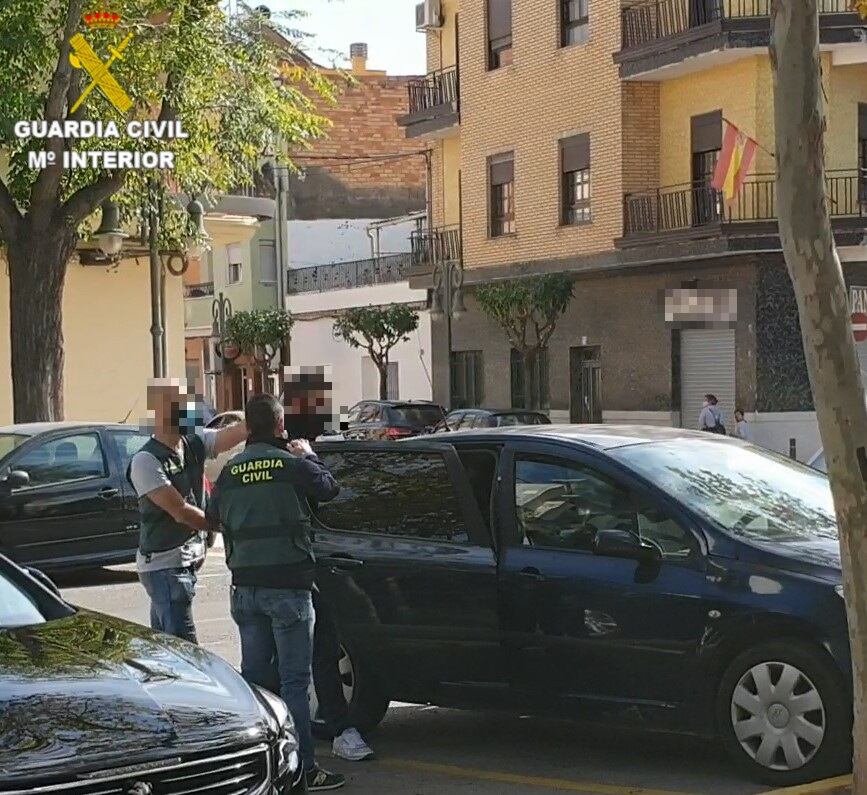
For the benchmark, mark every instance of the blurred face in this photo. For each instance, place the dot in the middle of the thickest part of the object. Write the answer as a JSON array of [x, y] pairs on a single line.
[[312, 402], [164, 400], [739, 416]]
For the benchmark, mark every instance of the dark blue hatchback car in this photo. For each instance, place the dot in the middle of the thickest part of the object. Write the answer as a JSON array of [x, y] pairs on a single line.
[[643, 576]]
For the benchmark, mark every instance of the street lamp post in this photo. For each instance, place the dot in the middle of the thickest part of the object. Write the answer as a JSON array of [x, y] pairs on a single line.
[[221, 311], [447, 301]]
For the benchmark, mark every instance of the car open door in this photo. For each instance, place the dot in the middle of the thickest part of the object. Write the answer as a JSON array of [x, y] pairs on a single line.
[[409, 569]]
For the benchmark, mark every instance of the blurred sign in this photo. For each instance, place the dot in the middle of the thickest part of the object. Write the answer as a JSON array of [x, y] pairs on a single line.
[[714, 307]]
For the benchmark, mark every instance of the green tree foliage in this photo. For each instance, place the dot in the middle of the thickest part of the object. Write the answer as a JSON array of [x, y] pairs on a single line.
[[377, 330], [527, 310], [187, 61], [262, 329]]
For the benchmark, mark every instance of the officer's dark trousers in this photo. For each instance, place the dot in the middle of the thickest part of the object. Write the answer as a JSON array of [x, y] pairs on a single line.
[[333, 710]]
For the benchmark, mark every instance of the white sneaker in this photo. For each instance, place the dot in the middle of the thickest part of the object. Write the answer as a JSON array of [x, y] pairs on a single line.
[[351, 746]]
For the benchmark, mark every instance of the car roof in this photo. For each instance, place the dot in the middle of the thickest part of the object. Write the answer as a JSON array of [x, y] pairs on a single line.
[[498, 412], [602, 437], [36, 428]]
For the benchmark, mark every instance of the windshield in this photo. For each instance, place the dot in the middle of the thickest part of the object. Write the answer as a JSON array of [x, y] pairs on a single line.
[[752, 493], [417, 416], [9, 441], [17, 609]]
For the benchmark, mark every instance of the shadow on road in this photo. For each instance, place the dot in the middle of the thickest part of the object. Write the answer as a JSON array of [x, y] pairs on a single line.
[[82, 578]]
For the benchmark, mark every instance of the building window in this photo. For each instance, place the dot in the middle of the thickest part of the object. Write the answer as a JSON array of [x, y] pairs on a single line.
[[267, 262], [501, 177], [468, 380], [575, 180], [499, 33], [234, 261], [539, 386], [706, 143], [574, 21]]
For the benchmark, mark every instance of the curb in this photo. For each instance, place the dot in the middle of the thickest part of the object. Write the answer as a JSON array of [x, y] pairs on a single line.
[[842, 785]]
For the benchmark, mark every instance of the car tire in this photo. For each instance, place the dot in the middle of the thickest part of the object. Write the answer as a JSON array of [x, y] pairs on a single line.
[[783, 714], [368, 705]]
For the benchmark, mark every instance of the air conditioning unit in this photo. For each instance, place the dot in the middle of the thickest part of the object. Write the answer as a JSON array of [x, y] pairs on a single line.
[[428, 15]]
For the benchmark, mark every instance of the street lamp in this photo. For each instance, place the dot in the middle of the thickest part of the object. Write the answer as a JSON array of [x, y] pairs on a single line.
[[198, 240], [110, 236], [221, 311], [447, 299]]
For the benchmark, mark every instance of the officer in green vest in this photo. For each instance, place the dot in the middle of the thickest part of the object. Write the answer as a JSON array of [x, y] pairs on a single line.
[[168, 477], [260, 501]]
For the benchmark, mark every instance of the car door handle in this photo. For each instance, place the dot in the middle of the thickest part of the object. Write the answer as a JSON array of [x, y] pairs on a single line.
[[342, 562], [108, 493], [531, 574]]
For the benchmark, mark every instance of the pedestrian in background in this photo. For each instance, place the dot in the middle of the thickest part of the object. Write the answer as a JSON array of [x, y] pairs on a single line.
[[711, 418], [742, 427], [168, 477], [260, 501]]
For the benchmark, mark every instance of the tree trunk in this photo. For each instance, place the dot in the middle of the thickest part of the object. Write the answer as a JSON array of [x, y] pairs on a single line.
[[37, 271], [531, 389], [382, 366], [808, 245]]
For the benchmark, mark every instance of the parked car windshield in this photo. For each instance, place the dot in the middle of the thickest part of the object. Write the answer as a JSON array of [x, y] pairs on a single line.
[[521, 419], [9, 441], [416, 416], [751, 492], [17, 609]]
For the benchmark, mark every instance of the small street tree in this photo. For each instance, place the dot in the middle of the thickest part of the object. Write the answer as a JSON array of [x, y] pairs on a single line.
[[180, 61], [817, 277], [528, 310], [260, 334], [377, 329]]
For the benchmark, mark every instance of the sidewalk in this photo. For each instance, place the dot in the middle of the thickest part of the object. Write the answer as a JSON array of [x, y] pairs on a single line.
[[832, 786]]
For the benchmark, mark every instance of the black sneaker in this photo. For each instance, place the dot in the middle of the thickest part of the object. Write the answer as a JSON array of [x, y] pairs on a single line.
[[319, 780]]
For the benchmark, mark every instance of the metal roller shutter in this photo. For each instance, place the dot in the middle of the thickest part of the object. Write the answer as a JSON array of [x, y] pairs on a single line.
[[707, 365], [861, 347]]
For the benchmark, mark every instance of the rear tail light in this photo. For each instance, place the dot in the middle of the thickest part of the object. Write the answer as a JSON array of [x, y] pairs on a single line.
[[397, 433]]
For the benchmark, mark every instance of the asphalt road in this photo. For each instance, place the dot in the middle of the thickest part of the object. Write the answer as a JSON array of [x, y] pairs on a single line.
[[429, 751]]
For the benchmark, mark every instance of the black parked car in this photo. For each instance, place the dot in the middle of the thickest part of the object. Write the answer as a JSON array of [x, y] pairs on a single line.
[[642, 576], [91, 705], [392, 419], [463, 419], [64, 497]]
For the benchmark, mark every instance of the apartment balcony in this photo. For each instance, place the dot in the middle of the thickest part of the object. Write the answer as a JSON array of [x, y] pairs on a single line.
[[688, 212], [386, 269], [664, 39], [256, 201], [434, 105], [435, 246]]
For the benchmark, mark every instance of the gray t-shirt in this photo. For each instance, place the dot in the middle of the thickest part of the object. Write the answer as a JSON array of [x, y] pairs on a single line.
[[147, 475]]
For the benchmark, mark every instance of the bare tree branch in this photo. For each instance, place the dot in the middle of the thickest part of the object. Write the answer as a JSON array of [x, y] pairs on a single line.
[[85, 201], [10, 215], [47, 184]]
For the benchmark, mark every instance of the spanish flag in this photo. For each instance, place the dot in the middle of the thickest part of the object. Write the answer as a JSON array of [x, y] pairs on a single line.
[[736, 157]]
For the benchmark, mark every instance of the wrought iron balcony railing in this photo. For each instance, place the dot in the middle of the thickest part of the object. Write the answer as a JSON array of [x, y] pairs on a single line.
[[651, 20], [346, 275], [437, 245], [434, 90], [683, 207], [201, 290]]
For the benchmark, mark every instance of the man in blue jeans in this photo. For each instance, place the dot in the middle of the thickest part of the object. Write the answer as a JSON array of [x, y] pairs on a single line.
[[168, 477], [260, 501]]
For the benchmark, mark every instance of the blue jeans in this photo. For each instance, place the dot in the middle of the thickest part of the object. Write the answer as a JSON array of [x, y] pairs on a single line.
[[171, 592], [279, 622]]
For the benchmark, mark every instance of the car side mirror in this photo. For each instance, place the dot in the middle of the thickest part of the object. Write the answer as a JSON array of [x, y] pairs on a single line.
[[623, 544], [16, 479], [44, 580]]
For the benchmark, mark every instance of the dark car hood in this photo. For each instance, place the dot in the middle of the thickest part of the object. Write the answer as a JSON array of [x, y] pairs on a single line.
[[816, 557], [89, 692]]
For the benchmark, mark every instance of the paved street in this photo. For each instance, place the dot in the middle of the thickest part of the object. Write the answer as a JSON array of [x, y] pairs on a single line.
[[428, 751]]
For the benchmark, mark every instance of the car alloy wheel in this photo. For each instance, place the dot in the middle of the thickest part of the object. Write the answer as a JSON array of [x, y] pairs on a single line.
[[778, 716], [347, 677]]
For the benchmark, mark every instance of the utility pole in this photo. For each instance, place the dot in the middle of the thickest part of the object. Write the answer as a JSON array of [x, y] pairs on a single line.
[[157, 286], [281, 174]]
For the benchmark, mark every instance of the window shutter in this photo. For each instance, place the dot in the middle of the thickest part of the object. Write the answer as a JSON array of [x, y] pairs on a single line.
[[707, 132], [499, 19], [502, 168], [575, 152], [862, 120]]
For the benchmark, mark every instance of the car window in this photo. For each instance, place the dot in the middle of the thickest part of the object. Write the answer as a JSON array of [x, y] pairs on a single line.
[[17, 609], [355, 412], [369, 413], [9, 441], [563, 505], [395, 494], [454, 420], [416, 416], [485, 421], [128, 444], [68, 458]]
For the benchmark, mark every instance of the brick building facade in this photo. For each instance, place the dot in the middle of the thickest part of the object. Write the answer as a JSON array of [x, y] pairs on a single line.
[[514, 82]]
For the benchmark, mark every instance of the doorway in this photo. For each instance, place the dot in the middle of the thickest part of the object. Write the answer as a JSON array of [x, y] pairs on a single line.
[[585, 376]]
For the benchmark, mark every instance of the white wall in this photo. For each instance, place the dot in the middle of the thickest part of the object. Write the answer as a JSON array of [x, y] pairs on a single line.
[[327, 241], [313, 341]]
